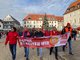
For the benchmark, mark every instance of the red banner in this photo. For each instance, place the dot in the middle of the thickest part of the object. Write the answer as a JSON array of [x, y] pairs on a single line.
[[44, 41]]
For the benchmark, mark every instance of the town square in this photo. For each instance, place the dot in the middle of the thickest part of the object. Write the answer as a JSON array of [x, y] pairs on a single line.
[[40, 30]]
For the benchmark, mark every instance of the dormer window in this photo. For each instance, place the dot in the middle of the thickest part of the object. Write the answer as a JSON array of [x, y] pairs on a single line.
[[29, 18], [68, 9], [78, 5], [40, 18], [72, 8]]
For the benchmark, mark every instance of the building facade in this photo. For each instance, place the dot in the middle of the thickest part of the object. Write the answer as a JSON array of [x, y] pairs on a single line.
[[72, 14], [36, 21], [9, 22], [1, 25]]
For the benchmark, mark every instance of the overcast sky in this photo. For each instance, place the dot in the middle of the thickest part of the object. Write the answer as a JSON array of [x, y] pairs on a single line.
[[20, 8]]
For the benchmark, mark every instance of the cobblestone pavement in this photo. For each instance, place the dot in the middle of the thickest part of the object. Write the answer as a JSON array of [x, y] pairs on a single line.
[[5, 53]]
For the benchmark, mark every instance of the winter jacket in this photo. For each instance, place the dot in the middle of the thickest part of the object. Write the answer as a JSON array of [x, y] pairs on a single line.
[[11, 38], [47, 33], [39, 34], [53, 32]]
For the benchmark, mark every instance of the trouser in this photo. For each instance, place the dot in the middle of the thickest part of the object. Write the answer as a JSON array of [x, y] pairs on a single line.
[[26, 50], [39, 52], [70, 45], [74, 37], [0, 37], [56, 52], [13, 50]]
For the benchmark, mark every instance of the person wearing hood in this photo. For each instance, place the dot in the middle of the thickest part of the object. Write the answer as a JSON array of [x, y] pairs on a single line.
[[68, 28]]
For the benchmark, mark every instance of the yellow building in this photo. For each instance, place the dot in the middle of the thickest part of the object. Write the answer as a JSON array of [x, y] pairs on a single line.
[[72, 14]]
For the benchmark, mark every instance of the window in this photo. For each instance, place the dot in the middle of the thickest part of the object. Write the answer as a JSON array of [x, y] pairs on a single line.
[[30, 25], [40, 26], [27, 21], [0, 25], [34, 22], [27, 25], [78, 5], [50, 25], [39, 21], [72, 8], [55, 21], [40, 18], [70, 15], [8, 26], [74, 20], [34, 26], [68, 9], [50, 22], [79, 20], [24, 22], [29, 18]]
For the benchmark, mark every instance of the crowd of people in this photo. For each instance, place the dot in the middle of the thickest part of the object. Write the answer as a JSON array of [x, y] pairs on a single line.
[[12, 38]]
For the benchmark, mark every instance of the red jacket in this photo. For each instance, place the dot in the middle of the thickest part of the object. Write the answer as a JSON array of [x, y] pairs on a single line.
[[52, 33], [11, 38], [47, 33]]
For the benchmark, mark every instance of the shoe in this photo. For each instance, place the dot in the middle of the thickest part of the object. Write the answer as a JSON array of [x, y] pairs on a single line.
[[71, 53], [41, 58], [38, 54], [24, 55], [63, 50], [57, 59], [50, 53], [27, 58]]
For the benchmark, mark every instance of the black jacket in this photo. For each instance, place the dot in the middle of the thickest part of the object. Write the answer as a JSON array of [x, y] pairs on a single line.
[[39, 34]]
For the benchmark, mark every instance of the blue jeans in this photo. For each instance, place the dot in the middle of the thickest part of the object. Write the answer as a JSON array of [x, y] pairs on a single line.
[[13, 50], [74, 37], [70, 45], [26, 51], [39, 52]]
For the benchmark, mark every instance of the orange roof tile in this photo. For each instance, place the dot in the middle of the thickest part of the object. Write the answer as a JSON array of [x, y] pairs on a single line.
[[37, 16], [74, 4]]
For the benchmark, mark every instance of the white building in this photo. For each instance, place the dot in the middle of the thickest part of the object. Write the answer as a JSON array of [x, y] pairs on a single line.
[[72, 14], [1, 25], [9, 22], [36, 21]]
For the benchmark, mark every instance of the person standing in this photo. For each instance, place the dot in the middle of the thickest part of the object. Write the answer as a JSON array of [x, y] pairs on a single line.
[[26, 34], [39, 33], [0, 35], [74, 34], [12, 38], [54, 32], [68, 28]]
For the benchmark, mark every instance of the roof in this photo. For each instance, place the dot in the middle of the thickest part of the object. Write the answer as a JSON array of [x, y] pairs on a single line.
[[16, 20], [37, 16], [9, 16], [74, 4], [1, 21]]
